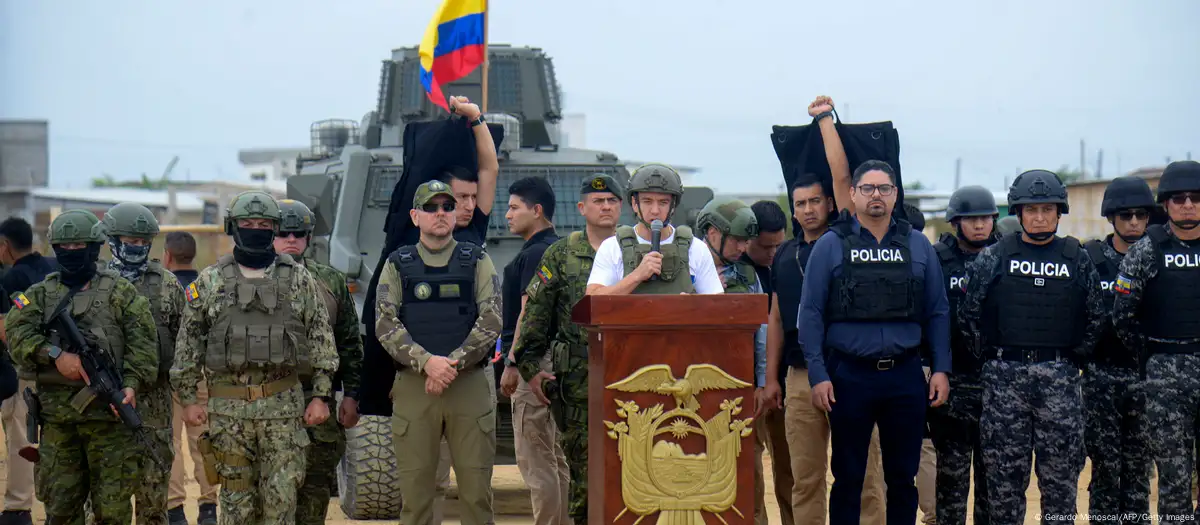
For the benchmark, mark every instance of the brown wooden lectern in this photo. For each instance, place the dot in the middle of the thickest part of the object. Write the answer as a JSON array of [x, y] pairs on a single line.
[[671, 407]]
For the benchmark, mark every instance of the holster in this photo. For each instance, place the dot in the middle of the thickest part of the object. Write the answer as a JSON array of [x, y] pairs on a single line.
[[209, 457], [33, 418]]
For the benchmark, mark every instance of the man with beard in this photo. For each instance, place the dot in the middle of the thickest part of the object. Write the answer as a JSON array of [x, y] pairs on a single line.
[[873, 330], [85, 451], [954, 427], [256, 329], [1034, 301], [131, 228], [539, 455], [1116, 437], [1157, 296], [546, 330], [328, 438], [438, 319]]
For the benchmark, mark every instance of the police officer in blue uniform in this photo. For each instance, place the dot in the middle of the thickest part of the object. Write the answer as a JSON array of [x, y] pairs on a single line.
[[1034, 303], [872, 290]]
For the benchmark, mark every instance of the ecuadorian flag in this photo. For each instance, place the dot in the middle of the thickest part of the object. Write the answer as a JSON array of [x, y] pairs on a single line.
[[454, 45]]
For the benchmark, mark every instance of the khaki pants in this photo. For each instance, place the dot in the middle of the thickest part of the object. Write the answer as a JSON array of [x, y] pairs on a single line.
[[808, 443], [540, 456], [18, 493], [771, 436], [443, 479], [176, 493]]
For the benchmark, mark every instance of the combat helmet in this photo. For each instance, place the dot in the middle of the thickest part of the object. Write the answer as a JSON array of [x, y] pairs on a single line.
[[1180, 176], [130, 219], [1037, 187], [971, 201], [73, 226], [252, 204], [1124, 193], [656, 178], [295, 216], [1008, 225], [729, 216]]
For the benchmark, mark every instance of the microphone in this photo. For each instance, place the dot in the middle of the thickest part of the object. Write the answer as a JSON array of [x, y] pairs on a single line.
[[656, 227]]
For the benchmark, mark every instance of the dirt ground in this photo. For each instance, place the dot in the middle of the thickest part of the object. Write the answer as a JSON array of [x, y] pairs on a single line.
[[512, 499]]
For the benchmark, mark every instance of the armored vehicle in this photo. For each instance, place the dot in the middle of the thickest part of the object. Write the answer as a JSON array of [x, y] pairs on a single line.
[[348, 180]]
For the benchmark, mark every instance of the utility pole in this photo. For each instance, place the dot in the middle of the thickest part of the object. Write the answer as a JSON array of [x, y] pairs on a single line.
[[1100, 164], [957, 172], [1082, 166], [1189, 157]]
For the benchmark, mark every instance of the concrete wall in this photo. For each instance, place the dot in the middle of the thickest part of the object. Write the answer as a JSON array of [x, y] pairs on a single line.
[[24, 153], [1084, 220]]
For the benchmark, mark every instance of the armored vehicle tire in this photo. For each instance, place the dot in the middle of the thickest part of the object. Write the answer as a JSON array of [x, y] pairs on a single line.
[[368, 482]]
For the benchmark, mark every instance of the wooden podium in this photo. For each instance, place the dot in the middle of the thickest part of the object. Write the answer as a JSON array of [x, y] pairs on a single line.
[[671, 407]]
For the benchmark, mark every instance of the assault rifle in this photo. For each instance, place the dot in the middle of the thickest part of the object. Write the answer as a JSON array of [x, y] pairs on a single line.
[[103, 378]]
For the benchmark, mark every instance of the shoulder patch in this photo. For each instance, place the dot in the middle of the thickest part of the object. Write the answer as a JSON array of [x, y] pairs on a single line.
[[191, 292], [544, 274], [1123, 285], [20, 301]]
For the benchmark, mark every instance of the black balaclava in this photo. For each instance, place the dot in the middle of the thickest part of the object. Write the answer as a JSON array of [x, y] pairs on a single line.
[[129, 260], [78, 266], [254, 248]]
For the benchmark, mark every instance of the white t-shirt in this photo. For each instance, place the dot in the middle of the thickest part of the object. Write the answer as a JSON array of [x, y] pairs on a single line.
[[608, 268]]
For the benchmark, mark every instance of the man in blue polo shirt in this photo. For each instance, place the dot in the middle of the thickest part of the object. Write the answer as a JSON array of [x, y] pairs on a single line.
[[872, 288]]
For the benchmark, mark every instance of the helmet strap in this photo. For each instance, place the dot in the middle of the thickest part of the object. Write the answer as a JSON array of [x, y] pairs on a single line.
[[719, 252], [1185, 225], [974, 244]]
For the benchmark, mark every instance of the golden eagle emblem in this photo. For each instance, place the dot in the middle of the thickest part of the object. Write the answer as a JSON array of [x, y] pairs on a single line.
[[657, 474]]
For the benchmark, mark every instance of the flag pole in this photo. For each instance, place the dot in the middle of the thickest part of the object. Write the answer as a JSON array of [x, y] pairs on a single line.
[[484, 99]]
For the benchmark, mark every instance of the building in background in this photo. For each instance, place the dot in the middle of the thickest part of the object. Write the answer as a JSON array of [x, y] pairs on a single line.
[[1085, 197], [269, 164], [24, 153]]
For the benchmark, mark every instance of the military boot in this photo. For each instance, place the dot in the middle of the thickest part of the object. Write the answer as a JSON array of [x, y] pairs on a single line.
[[208, 514], [15, 517], [176, 516]]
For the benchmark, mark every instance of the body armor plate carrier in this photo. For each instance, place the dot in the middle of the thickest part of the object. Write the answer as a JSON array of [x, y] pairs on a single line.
[[1037, 301], [1168, 305], [676, 275], [876, 282], [438, 308]]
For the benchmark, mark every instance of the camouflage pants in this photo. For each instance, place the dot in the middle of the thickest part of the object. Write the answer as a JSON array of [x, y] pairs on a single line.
[[574, 439], [1172, 400], [1031, 408], [328, 446], [150, 496], [954, 429], [261, 465], [94, 458], [1116, 440]]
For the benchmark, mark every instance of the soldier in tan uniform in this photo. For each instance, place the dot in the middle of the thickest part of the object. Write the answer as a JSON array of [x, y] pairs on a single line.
[[437, 317]]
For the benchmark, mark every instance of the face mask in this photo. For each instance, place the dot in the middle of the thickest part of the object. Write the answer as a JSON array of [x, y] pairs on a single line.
[[78, 266], [129, 260], [255, 240]]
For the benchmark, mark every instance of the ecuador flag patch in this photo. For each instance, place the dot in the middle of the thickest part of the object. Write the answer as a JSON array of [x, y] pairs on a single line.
[[544, 274], [20, 301], [191, 292], [1123, 285]]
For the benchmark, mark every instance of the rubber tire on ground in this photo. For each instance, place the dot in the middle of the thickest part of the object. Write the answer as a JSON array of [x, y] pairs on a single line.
[[368, 483]]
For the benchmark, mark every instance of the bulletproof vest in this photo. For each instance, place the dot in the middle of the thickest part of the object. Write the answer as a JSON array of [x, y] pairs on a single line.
[[877, 281], [150, 287], [1109, 349], [744, 280], [255, 327], [330, 300], [1168, 308], [580, 256], [954, 274], [676, 276], [438, 307], [93, 314], [1036, 300]]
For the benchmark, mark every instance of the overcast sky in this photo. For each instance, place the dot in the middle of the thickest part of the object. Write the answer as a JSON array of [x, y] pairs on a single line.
[[1002, 84]]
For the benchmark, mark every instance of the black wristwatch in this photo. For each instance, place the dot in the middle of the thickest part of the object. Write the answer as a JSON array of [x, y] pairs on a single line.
[[823, 115], [509, 362], [54, 352], [478, 121]]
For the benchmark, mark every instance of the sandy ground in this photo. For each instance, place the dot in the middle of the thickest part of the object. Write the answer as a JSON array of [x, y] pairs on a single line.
[[512, 499]]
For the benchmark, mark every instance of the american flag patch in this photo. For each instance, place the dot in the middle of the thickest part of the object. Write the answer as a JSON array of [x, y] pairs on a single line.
[[191, 292], [20, 301]]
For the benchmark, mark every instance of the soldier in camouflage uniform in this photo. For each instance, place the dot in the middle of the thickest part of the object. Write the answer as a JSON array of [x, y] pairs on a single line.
[[954, 427], [329, 438], [85, 450], [1035, 302], [1157, 296], [438, 317], [256, 328], [131, 227], [1116, 436], [546, 328]]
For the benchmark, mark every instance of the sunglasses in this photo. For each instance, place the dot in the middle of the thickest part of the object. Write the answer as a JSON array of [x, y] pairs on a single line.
[[1179, 199], [884, 189], [1129, 215], [432, 207], [298, 235]]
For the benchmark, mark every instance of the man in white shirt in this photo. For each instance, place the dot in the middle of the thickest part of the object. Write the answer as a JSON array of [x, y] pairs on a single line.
[[625, 264]]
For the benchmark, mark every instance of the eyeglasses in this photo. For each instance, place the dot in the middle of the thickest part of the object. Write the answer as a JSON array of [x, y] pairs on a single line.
[[1129, 215], [884, 189], [1179, 199], [298, 235], [432, 207]]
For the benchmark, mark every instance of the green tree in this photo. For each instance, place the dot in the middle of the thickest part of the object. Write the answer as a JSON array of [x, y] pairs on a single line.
[[915, 185], [1069, 174]]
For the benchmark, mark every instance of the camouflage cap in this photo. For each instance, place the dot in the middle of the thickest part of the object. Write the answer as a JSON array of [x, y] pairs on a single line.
[[429, 190], [601, 183]]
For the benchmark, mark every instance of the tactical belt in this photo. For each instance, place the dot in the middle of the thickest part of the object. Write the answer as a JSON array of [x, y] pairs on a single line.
[[879, 363], [1032, 355], [253, 392]]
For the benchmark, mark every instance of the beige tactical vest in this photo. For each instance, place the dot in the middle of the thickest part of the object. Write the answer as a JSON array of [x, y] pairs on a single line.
[[676, 276], [91, 308], [256, 327], [150, 287]]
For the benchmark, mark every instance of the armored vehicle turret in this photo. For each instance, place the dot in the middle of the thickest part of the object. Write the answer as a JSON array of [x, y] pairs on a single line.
[[348, 178]]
